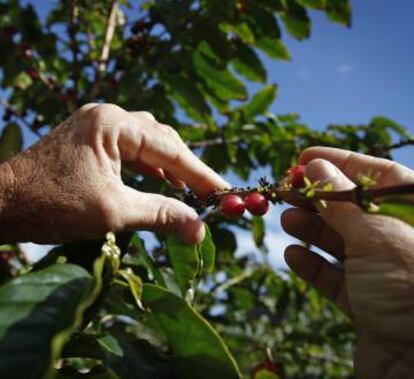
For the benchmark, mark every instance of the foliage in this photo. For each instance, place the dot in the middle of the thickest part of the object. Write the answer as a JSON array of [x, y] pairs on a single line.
[[173, 311]]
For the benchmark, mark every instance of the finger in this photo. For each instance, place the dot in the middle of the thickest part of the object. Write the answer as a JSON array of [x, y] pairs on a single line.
[[310, 227], [174, 181], [159, 145], [143, 211], [318, 272], [341, 216], [142, 114], [144, 169], [353, 164]]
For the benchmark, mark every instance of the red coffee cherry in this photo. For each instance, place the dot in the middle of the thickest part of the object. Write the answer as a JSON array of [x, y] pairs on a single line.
[[256, 204], [297, 176], [232, 206]]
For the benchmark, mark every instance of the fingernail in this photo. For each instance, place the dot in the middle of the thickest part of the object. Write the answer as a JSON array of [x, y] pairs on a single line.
[[321, 170]]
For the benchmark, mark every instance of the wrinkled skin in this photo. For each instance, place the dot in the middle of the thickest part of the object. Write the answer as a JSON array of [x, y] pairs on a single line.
[[375, 286], [68, 186]]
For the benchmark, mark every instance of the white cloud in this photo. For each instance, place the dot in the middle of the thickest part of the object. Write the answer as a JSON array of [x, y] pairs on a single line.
[[344, 68]]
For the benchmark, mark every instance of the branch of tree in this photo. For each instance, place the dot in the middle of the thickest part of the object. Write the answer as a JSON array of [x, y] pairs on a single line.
[[104, 56]]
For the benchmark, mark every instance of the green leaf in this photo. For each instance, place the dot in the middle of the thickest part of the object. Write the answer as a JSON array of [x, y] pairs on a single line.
[[247, 63], [189, 97], [387, 123], [122, 354], [260, 102], [339, 11], [274, 48], [223, 84], [297, 21], [242, 30], [37, 313], [258, 230], [209, 357], [184, 261], [11, 141], [207, 251], [400, 208], [138, 244]]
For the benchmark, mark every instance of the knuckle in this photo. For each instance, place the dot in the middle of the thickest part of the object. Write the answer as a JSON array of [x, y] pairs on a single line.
[[86, 107], [171, 132], [164, 219], [104, 113], [147, 115]]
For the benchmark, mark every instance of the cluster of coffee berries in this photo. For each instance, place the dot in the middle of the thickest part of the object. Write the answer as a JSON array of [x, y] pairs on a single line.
[[233, 205]]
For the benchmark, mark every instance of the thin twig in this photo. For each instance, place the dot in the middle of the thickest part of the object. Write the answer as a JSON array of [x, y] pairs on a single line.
[[103, 60], [401, 143]]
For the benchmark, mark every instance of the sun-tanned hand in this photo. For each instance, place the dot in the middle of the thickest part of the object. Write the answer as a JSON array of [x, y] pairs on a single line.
[[68, 186], [376, 285]]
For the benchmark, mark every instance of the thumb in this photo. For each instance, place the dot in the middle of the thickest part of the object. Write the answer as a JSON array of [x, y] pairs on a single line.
[[339, 215], [161, 214]]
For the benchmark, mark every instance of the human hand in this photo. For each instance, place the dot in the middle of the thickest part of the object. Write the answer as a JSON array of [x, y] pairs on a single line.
[[68, 186], [375, 287]]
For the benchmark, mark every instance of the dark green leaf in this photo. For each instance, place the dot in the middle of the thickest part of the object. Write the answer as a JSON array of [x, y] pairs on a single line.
[[189, 97], [220, 80], [11, 141], [297, 21], [37, 313], [247, 63], [138, 244], [184, 261], [206, 359], [122, 354], [339, 11]]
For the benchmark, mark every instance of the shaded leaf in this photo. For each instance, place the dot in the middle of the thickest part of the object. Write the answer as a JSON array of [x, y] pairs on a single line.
[[147, 260], [297, 21], [11, 141], [220, 80], [37, 312], [184, 261], [206, 359], [247, 63]]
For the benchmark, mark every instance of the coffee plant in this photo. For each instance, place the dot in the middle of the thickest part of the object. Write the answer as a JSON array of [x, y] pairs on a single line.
[[117, 308]]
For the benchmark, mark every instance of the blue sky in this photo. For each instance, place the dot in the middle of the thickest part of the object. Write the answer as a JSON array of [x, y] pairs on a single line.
[[345, 75]]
